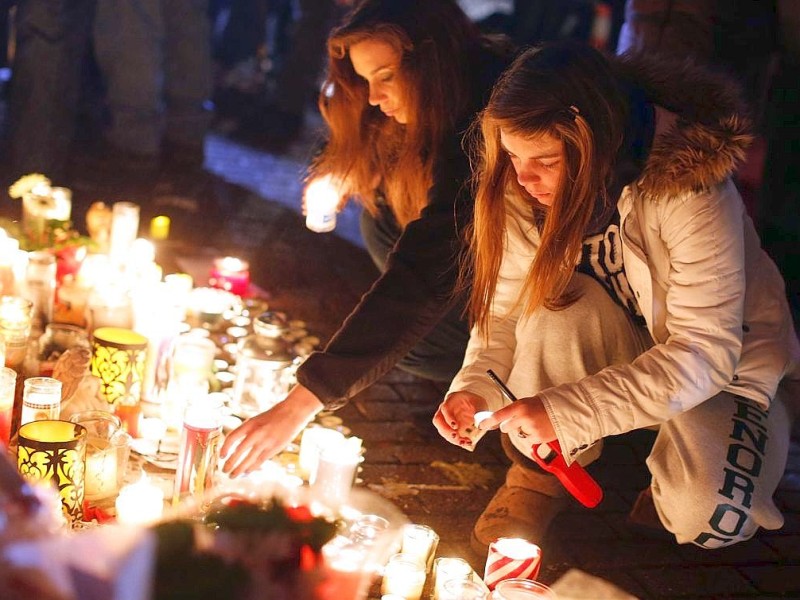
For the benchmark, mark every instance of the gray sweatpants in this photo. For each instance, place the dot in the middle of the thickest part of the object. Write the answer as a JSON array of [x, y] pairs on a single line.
[[714, 468]]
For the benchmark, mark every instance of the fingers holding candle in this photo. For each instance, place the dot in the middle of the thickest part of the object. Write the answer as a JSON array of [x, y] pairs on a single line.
[[454, 419]]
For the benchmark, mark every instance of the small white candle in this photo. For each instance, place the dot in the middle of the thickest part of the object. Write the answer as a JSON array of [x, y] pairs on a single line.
[[419, 543], [449, 569], [101, 468], [314, 441], [336, 470], [403, 577], [140, 503], [322, 198]]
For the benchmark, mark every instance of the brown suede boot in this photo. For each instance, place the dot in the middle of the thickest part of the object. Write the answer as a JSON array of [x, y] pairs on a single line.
[[523, 507]]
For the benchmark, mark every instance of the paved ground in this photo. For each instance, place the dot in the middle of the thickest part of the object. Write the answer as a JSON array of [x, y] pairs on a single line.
[[247, 203]]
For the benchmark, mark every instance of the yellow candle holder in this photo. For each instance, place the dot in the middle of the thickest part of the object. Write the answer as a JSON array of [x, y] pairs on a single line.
[[118, 359], [55, 451]]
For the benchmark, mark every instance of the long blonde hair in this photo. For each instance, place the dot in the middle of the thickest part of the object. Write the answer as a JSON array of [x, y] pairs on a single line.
[[437, 43], [570, 92]]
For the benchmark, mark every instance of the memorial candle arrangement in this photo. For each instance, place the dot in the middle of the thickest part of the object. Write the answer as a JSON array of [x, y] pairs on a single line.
[[201, 436]]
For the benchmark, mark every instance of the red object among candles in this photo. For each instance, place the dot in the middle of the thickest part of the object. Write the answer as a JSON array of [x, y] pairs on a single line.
[[230, 274]]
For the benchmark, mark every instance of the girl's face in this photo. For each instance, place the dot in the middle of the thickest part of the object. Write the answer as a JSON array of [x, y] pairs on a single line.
[[538, 162], [378, 63]]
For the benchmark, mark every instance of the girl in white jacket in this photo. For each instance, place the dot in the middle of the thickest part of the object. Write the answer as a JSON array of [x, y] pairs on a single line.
[[618, 283]]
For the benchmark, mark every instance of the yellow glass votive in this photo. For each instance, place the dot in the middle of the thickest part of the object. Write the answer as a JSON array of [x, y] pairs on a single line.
[[55, 451], [118, 359], [159, 227]]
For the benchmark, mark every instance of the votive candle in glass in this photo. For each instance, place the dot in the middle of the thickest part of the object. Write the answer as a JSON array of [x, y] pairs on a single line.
[[403, 576], [41, 399], [124, 230], [321, 201], [419, 543], [159, 227], [336, 470], [230, 274], [201, 436], [456, 589], [55, 451], [522, 589], [313, 442], [118, 359], [8, 384], [449, 569]]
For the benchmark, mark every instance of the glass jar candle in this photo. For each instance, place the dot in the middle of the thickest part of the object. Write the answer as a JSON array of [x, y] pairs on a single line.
[[522, 589], [41, 399], [230, 274]]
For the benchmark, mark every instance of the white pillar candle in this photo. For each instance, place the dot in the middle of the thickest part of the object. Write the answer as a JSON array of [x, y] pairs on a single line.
[[124, 229], [140, 503], [336, 470], [321, 199]]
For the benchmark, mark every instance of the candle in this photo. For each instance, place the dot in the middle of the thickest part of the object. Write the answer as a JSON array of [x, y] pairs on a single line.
[[41, 399], [140, 503], [321, 201], [336, 470], [124, 229], [101, 468], [230, 274], [199, 448], [404, 577], [446, 570], [159, 227], [419, 543], [314, 441], [522, 589], [455, 589], [511, 557], [16, 317]]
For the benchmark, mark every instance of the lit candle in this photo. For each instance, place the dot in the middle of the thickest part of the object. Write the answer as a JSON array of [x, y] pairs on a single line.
[[336, 470], [8, 384], [41, 399], [140, 503], [321, 200], [199, 448], [101, 468], [511, 557], [159, 227], [449, 569], [404, 577], [230, 274], [419, 543], [314, 441], [124, 229]]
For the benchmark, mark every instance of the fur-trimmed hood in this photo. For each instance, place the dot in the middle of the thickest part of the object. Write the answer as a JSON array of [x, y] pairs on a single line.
[[710, 135]]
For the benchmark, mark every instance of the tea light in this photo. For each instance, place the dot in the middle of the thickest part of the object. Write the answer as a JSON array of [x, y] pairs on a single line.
[[419, 543], [159, 227], [140, 503], [404, 577], [230, 274]]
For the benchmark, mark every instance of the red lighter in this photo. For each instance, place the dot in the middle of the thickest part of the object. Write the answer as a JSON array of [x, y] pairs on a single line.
[[549, 456]]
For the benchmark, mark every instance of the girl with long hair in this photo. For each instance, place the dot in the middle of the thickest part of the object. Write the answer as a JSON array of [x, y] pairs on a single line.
[[405, 79], [617, 283]]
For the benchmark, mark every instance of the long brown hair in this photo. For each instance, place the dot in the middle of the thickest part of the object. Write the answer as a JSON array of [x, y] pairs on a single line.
[[568, 91], [437, 42]]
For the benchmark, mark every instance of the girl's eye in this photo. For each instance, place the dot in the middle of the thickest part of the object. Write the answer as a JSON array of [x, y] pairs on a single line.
[[387, 78], [551, 165]]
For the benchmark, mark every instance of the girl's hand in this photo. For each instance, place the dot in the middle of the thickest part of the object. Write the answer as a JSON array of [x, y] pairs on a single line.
[[526, 420], [261, 437], [455, 417]]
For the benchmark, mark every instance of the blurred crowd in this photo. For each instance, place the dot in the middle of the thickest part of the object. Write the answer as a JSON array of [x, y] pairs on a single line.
[[137, 84]]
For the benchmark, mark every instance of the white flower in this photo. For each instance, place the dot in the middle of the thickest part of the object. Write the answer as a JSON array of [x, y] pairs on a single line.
[[27, 183]]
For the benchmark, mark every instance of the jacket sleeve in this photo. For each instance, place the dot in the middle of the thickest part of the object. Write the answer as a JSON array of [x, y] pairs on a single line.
[[701, 236], [408, 299], [496, 350]]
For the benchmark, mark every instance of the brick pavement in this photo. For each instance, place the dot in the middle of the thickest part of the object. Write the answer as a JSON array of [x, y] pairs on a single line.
[[248, 203]]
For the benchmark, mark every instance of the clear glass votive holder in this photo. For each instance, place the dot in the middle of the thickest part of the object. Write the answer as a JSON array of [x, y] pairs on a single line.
[[522, 589], [403, 576], [461, 590], [108, 448], [447, 569], [419, 543]]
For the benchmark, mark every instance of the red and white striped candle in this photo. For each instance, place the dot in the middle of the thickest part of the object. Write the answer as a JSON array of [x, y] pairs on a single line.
[[511, 558]]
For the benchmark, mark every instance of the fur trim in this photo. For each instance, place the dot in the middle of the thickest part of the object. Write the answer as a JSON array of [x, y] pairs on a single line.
[[712, 131]]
